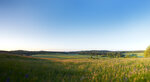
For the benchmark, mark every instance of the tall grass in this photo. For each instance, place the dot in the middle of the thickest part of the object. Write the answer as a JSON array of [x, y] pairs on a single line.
[[22, 69]]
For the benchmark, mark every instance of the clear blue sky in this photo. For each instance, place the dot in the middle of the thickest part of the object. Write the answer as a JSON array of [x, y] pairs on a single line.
[[64, 25]]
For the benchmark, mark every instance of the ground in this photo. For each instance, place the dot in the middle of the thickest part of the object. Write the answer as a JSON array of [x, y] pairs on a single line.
[[69, 68]]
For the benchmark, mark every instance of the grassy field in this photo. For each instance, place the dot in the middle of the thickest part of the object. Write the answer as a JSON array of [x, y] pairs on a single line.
[[62, 56], [140, 54], [73, 69]]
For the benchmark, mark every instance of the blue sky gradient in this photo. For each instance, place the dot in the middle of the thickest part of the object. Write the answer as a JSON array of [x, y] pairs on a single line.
[[66, 25]]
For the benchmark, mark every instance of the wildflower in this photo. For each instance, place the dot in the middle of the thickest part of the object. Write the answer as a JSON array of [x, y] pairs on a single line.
[[8, 79], [26, 76]]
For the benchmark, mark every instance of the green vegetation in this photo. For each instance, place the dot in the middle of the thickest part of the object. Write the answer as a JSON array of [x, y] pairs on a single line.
[[110, 54], [115, 54], [134, 54], [62, 56], [147, 52], [81, 69], [131, 56], [97, 53]]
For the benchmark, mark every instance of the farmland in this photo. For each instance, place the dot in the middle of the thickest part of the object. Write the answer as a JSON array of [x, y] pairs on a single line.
[[72, 68]]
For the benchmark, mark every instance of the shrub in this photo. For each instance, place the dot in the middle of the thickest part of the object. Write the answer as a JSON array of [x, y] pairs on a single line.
[[131, 56], [147, 52]]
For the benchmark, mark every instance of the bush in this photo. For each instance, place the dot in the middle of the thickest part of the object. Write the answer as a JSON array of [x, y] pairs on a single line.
[[131, 56], [147, 52]]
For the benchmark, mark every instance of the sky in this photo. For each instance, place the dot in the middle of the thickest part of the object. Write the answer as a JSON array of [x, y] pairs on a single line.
[[71, 25]]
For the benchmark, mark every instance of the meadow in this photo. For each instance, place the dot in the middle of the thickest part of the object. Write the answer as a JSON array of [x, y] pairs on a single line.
[[62, 56], [139, 54], [72, 68]]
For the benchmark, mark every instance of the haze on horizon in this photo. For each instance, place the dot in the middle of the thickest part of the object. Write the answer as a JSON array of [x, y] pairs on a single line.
[[68, 25]]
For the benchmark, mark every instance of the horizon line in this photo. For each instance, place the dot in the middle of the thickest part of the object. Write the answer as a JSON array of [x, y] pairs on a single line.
[[69, 50]]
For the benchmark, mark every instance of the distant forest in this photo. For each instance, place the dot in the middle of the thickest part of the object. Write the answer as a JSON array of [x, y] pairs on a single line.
[[103, 53]]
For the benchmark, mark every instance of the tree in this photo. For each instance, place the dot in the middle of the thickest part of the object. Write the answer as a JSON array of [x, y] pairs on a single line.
[[147, 52]]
